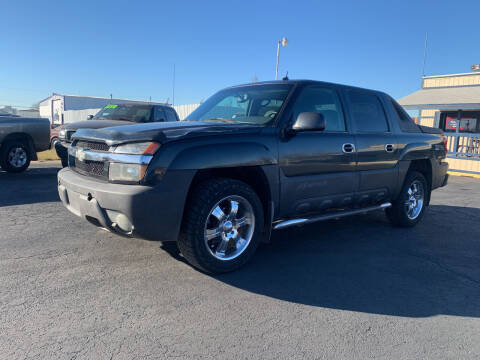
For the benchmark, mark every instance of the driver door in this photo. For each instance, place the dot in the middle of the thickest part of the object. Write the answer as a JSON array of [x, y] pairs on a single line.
[[317, 168]]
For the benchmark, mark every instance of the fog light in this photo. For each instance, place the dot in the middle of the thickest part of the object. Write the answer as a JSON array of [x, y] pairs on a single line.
[[120, 220]]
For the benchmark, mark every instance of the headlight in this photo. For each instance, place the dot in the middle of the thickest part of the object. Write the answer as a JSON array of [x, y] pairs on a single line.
[[61, 134], [126, 172], [142, 148]]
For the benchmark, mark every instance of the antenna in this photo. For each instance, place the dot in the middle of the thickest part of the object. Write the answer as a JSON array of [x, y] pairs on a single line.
[[173, 86], [425, 54]]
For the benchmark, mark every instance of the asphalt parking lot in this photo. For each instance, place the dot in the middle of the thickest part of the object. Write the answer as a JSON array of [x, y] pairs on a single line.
[[348, 289]]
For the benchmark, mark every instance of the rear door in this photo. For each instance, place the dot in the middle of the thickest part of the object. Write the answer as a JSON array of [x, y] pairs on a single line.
[[377, 148], [317, 168]]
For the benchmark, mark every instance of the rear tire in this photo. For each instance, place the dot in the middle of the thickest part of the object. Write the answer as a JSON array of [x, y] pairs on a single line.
[[409, 207], [15, 156], [222, 226]]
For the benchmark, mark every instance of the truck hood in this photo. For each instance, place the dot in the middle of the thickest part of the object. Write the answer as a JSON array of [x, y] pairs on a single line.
[[95, 124], [163, 132]]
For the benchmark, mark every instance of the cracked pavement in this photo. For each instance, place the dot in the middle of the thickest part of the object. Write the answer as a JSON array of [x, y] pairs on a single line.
[[354, 288]]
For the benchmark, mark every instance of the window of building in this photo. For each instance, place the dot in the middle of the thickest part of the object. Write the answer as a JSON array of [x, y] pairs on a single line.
[[469, 121], [367, 112]]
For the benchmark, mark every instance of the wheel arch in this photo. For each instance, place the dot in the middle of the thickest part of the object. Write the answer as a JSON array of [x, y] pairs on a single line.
[[423, 166], [257, 177], [24, 137]]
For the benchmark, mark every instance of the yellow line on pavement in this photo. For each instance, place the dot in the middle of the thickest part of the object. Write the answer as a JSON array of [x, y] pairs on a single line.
[[458, 173]]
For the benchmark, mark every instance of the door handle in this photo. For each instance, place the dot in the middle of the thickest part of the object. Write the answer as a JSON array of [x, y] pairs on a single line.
[[389, 147], [348, 148]]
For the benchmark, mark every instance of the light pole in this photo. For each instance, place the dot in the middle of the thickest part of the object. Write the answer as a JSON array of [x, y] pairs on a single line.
[[283, 42]]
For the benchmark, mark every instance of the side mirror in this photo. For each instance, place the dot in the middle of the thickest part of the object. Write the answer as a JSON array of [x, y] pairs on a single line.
[[309, 121], [89, 117]]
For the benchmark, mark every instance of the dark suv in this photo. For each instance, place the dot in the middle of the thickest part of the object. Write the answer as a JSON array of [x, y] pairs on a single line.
[[113, 115], [250, 159]]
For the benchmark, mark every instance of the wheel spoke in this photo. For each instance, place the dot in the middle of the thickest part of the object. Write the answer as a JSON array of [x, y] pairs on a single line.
[[243, 221], [218, 213], [212, 233], [222, 248], [233, 209]]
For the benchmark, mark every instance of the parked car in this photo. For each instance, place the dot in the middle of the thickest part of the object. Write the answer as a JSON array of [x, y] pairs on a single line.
[[250, 159], [20, 139], [113, 115], [54, 133]]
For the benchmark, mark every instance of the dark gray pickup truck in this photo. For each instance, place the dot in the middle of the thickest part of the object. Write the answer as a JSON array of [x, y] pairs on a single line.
[[20, 139], [251, 159]]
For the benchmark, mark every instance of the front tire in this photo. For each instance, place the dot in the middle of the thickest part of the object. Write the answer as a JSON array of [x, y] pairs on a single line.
[[15, 156], [408, 209], [222, 226]]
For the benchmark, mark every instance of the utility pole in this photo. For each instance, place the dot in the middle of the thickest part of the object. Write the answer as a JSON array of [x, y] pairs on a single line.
[[283, 42]]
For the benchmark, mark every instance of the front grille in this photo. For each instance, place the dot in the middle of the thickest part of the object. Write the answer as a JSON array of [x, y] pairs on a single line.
[[94, 168], [92, 145]]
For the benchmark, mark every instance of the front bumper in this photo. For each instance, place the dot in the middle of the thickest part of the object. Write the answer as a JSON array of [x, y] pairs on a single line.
[[150, 212]]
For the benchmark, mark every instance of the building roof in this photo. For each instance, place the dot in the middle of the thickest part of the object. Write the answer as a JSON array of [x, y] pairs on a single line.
[[457, 97], [105, 98], [450, 75]]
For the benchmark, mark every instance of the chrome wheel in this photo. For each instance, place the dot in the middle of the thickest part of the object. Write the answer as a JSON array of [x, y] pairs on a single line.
[[17, 157], [229, 227], [415, 199]]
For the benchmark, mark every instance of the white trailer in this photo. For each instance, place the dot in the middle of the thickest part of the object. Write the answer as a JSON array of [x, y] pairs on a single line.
[[64, 109]]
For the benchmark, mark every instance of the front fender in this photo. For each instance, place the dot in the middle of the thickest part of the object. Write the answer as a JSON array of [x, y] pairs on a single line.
[[223, 155]]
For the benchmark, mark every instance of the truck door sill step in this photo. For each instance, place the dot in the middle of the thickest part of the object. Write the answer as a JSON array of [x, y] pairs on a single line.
[[303, 221]]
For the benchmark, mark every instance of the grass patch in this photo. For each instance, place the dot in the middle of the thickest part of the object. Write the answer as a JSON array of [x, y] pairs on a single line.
[[47, 155]]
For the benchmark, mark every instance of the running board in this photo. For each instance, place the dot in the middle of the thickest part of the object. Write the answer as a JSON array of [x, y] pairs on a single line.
[[303, 221]]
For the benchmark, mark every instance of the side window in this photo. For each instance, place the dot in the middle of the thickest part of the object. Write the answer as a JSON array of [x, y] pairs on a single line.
[[324, 101], [159, 114], [404, 120], [367, 112], [170, 115]]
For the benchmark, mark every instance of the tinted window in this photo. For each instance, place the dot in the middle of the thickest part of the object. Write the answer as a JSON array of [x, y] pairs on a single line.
[[170, 115], [367, 112], [159, 114], [404, 120], [324, 101], [128, 112]]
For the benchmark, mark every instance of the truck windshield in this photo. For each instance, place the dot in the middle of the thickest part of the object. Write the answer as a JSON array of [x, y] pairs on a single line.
[[128, 112], [251, 104]]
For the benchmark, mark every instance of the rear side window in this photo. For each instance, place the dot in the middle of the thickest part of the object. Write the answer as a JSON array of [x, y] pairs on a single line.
[[367, 112], [159, 114], [170, 115], [404, 120]]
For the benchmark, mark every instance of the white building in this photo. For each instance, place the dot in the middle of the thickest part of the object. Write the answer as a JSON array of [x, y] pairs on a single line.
[[184, 110], [63, 109]]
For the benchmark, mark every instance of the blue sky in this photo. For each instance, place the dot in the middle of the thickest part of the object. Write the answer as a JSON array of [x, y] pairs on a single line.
[[129, 48]]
